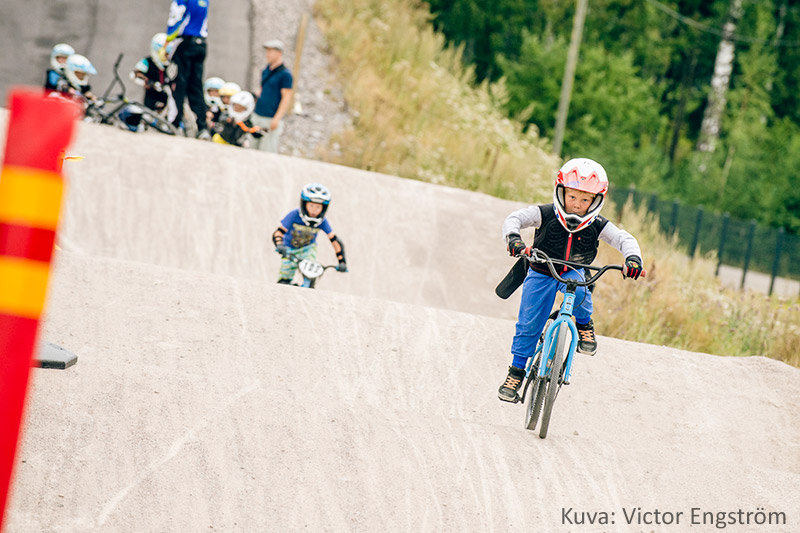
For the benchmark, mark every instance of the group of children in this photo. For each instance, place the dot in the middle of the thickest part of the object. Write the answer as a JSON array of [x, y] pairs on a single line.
[[69, 73], [229, 107], [229, 112]]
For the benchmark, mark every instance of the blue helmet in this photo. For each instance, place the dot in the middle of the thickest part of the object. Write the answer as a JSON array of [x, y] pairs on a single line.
[[319, 194], [78, 63]]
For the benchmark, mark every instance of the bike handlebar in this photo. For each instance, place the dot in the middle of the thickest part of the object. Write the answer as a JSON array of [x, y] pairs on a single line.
[[534, 255]]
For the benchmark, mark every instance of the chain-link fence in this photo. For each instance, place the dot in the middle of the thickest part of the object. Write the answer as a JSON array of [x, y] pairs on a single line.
[[740, 243]]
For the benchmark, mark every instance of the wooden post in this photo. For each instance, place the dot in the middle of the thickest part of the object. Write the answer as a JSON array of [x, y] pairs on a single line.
[[569, 75], [296, 108]]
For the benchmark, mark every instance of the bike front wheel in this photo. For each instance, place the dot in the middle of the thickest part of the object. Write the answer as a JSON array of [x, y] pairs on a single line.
[[553, 377], [535, 403]]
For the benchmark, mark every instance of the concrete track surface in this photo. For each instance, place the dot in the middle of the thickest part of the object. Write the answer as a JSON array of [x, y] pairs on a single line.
[[208, 398]]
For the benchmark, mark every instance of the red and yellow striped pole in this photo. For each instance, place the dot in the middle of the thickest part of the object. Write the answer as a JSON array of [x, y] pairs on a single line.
[[39, 130]]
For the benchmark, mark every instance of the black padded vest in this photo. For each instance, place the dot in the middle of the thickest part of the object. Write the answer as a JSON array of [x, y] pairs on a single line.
[[558, 243]]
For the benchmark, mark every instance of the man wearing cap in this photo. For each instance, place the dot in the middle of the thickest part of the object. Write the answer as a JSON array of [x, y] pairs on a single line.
[[275, 98], [188, 26]]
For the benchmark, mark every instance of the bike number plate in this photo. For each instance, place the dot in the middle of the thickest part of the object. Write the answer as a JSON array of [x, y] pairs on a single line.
[[310, 269]]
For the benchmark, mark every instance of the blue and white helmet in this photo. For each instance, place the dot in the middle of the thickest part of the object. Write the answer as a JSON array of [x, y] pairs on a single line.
[[158, 42], [77, 63], [60, 50], [317, 193], [213, 83]]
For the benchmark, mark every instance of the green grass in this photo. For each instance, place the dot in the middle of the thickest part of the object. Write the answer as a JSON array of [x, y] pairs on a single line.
[[418, 115]]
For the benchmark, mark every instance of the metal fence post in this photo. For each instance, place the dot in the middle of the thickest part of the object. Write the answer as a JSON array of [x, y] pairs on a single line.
[[778, 246], [725, 219], [749, 251], [673, 223], [697, 225]]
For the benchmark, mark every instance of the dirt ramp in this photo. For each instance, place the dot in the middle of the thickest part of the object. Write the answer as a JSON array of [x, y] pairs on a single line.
[[205, 401], [202, 206]]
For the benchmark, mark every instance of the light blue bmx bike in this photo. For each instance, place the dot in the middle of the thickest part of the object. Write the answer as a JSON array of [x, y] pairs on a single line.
[[310, 269], [550, 366]]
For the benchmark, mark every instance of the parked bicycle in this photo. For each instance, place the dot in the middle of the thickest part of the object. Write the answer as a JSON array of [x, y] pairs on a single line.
[[123, 112], [551, 365]]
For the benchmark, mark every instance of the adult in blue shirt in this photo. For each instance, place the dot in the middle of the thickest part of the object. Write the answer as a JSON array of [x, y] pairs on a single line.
[[188, 26], [275, 98]]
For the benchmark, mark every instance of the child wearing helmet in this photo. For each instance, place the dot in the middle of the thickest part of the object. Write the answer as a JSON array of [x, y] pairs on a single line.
[[153, 74], [297, 232], [75, 82], [569, 229], [234, 124], [58, 61], [211, 89]]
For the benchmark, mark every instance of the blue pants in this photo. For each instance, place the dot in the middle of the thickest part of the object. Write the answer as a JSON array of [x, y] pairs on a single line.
[[538, 296]]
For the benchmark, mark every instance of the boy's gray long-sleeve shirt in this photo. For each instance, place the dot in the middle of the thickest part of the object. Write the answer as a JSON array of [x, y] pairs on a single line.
[[531, 217]]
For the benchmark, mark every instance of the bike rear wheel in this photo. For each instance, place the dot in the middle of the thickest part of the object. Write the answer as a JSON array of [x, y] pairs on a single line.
[[156, 122], [553, 378]]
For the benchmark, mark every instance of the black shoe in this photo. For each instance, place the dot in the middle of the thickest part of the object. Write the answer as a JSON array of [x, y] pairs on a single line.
[[508, 390], [285, 281], [587, 342]]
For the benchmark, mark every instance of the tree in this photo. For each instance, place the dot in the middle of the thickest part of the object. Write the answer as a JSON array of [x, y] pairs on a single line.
[[720, 81]]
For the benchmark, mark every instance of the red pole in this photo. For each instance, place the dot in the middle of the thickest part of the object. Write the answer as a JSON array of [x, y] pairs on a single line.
[[31, 184]]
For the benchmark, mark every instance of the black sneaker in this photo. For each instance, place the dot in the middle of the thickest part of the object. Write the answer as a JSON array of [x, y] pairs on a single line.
[[508, 390], [587, 342], [285, 281]]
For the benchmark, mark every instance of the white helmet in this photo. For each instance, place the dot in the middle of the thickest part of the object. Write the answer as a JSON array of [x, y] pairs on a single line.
[[245, 99], [317, 193], [78, 63], [584, 175], [158, 42], [212, 83], [60, 50]]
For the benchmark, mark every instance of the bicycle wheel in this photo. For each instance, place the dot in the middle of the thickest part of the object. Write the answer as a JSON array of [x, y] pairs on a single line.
[[155, 122], [554, 375], [535, 403]]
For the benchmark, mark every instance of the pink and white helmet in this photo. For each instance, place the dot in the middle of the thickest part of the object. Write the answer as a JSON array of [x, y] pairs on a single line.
[[584, 175]]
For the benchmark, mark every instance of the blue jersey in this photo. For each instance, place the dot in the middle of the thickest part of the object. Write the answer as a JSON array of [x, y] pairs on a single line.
[[52, 79], [272, 82], [188, 18], [299, 233]]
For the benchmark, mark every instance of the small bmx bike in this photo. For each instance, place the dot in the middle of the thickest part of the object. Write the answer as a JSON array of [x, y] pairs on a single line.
[[550, 366]]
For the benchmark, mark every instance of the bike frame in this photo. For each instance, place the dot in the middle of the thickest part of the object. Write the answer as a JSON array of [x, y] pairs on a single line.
[[551, 338], [547, 348]]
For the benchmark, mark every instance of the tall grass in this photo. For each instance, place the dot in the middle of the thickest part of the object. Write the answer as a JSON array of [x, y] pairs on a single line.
[[418, 115], [417, 112], [681, 304]]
